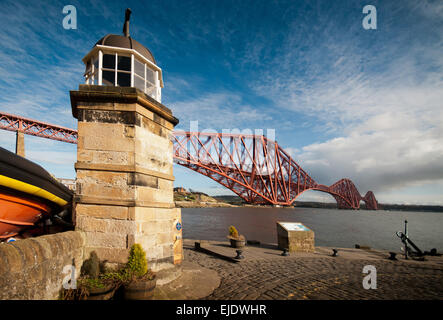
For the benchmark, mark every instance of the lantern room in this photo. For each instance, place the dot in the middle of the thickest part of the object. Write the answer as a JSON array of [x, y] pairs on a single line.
[[119, 60]]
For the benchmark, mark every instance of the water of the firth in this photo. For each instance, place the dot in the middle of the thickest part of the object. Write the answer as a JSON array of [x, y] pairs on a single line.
[[333, 228]]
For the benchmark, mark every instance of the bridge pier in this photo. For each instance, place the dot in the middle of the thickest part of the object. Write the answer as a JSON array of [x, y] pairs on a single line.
[[124, 186], [20, 143]]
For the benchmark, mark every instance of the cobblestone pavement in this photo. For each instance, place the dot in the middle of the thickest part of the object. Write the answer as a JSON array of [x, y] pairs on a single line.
[[320, 277]]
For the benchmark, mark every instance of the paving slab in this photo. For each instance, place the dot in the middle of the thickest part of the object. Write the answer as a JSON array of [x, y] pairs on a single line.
[[195, 282]]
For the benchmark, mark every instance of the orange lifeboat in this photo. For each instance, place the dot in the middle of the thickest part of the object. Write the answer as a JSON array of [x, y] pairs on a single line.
[[28, 194]]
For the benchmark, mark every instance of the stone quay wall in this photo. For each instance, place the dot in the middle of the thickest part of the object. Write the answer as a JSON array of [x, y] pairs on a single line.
[[33, 269]]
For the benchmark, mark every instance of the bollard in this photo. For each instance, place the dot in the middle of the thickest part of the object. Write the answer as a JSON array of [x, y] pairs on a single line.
[[239, 254], [392, 256], [285, 252]]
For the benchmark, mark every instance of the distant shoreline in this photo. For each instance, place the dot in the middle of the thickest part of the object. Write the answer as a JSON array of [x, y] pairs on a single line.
[[201, 200]]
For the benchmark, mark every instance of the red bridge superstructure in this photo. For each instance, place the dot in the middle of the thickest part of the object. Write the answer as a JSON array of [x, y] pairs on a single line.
[[37, 128], [256, 169]]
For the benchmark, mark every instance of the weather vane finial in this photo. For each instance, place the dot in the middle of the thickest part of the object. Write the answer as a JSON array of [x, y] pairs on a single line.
[[126, 25]]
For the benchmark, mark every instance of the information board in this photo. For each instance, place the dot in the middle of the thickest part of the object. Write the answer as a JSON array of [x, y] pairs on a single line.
[[293, 226]]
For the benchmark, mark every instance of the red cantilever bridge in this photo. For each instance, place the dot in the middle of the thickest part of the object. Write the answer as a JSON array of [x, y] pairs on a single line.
[[256, 169]]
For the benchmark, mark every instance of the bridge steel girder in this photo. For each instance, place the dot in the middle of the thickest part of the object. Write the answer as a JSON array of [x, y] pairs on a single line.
[[37, 128], [256, 169]]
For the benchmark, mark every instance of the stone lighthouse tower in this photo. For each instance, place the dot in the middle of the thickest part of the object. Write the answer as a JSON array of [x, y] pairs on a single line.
[[124, 155]]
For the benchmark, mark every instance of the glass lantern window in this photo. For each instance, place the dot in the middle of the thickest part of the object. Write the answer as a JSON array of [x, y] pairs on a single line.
[[109, 61], [116, 70], [124, 63], [139, 68], [139, 82], [123, 79], [150, 76], [150, 90], [108, 78]]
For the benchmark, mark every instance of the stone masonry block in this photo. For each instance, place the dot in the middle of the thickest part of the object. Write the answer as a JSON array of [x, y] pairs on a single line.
[[165, 225], [154, 195], [27, 252], [111, 226], [89, 224], [103, 177], [164, 184], [12, 256], [114, 255], [103, 136], [106, 191], [108, 143], [101, 211], [153, 127], [105, 157], [121, 226], [129, 132], [164, 238], [143, 180], [142, 213], [147, 228], [106, 240], [98, 129]]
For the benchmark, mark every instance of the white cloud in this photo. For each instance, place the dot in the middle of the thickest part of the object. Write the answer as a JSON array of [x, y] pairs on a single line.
[[384, 106], [221, 110]]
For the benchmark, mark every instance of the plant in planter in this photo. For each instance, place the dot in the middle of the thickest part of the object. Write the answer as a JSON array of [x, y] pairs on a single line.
[[80, 293], [139, 280], [99, 288], [92, 285], [237, 241], [136, 280]]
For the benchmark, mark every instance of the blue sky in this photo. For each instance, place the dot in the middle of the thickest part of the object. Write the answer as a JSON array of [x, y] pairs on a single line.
[[344, 101]]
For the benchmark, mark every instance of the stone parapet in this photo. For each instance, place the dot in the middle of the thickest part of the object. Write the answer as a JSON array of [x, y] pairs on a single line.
[[32, 269]]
